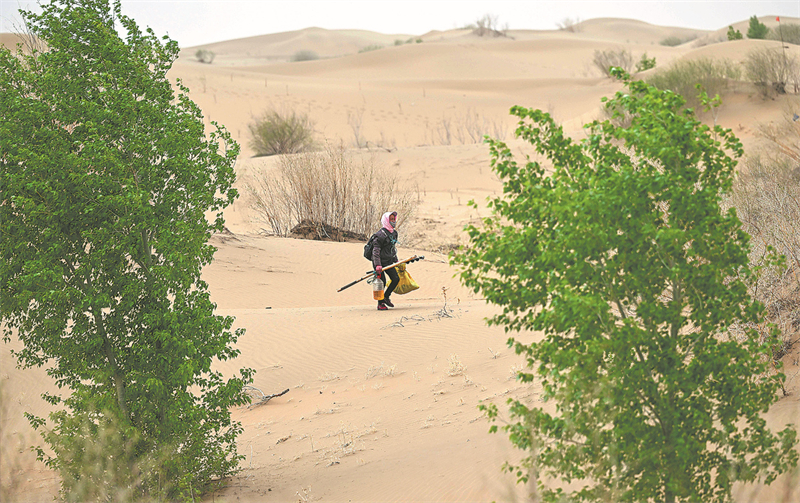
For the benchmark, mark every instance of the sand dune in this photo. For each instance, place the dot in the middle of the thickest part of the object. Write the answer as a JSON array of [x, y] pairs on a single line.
[[382, 406], [284, 46]]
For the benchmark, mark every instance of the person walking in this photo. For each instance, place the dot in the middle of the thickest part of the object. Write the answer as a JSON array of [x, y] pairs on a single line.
[[384, 252]]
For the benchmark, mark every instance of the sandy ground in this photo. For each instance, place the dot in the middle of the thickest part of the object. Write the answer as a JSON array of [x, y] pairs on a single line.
[[382, 406]]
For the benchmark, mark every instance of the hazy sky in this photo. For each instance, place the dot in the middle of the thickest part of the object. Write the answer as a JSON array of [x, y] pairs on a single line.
[[193, 22]]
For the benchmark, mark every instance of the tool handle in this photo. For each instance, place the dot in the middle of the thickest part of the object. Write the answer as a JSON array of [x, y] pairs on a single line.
[[406, 261], [372, 273]]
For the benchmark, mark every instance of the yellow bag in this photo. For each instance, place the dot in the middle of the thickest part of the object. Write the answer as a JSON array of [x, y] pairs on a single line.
[[405, 284]]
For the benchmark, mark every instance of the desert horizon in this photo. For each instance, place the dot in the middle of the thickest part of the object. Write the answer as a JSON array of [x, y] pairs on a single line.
[[383, 405]]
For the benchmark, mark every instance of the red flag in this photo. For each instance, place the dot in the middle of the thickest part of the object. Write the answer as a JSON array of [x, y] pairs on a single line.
[[778, 19]]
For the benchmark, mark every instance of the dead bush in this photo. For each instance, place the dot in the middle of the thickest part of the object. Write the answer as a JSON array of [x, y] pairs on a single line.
[[332, 189], [772, 70], [788, 33], [766, 196], [205, 56], [304, 56], [620, 58], [487, 26]]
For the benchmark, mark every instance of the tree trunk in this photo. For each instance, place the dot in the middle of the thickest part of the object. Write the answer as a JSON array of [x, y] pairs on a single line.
[[117, 376]]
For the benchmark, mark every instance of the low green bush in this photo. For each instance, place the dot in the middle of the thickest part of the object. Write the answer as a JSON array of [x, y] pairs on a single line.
[[276, 133], [734, 34], [683, 76], [645, 63]]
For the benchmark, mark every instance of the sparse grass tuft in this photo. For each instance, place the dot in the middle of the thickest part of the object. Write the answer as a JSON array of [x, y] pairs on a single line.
[[469, 128], [370, 48], [455, 367]]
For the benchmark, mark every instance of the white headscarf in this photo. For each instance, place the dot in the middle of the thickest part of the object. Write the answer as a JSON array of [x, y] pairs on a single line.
[[385, 220]]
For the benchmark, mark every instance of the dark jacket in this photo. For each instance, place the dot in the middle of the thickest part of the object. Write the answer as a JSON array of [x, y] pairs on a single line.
[[384, 250]]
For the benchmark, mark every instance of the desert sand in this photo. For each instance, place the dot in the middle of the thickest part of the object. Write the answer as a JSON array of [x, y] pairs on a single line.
[[382, 406]]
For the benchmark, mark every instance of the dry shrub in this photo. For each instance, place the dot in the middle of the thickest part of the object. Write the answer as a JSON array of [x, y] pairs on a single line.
[[276, 133], [487, 26], [772, 70], [674, 41], [788, 33], [205, 56], [305, 56], [97, 463], [570, 25], [97, 459], [620, 58], [329, 189], [766, 196], [455, 367], [682, 77]]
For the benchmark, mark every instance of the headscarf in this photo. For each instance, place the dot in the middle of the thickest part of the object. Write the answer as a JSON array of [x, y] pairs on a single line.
[[385, 220]]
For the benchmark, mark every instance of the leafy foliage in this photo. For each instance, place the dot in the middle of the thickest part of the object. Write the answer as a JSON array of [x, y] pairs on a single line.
[[645, 63], [734, 34], [276, 133], [757, 29], [621, 256], [107, 179]]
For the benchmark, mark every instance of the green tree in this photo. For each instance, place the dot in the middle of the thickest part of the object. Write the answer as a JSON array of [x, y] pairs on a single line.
[[734, 34], [622, 258], [757, 29], [110, 192]]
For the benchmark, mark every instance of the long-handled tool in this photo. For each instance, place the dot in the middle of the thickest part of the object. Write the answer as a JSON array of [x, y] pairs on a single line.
[[372, 273]]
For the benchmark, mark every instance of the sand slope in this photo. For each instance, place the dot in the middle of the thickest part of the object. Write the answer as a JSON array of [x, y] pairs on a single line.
[[382, 406]]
